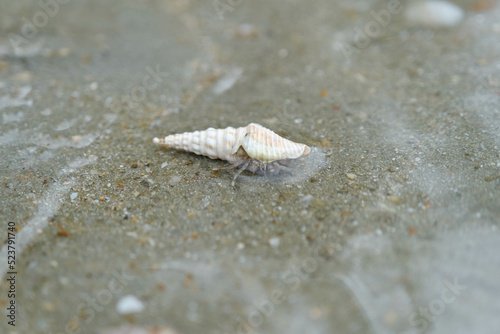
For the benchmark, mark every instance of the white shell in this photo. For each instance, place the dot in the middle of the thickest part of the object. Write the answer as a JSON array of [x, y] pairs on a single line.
[[434, 13], [253, 147]]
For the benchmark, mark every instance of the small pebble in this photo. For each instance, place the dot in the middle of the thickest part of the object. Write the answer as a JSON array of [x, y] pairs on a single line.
[[63, 52], [137, 330], [306, 199], [395, 199], [246, 30], [434, 13], [73, 196], [46, 112], [174, 180], [49, 307], [351, 176], [227, 82], [129, 304], [274, 242]]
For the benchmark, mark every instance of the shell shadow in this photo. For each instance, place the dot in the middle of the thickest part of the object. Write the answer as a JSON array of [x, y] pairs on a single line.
[[302, 169]]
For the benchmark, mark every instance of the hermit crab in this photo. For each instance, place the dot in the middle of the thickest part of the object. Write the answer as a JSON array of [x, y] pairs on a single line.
[[252, 147]]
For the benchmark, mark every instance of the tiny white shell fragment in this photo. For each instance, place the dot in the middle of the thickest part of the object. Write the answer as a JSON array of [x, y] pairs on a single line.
[[306, 199], [434, 13], [129, 304], [226, 82], [351, 176], [138, 330], [274, 242]]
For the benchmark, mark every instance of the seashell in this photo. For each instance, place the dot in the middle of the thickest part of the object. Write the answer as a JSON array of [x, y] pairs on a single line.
[[252, 147]]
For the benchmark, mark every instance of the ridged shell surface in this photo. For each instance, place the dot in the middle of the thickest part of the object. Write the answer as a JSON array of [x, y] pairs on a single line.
[[266, 146], [256, 141]]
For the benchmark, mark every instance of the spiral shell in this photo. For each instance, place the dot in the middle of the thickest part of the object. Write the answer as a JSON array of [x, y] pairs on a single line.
[[252, 147]]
